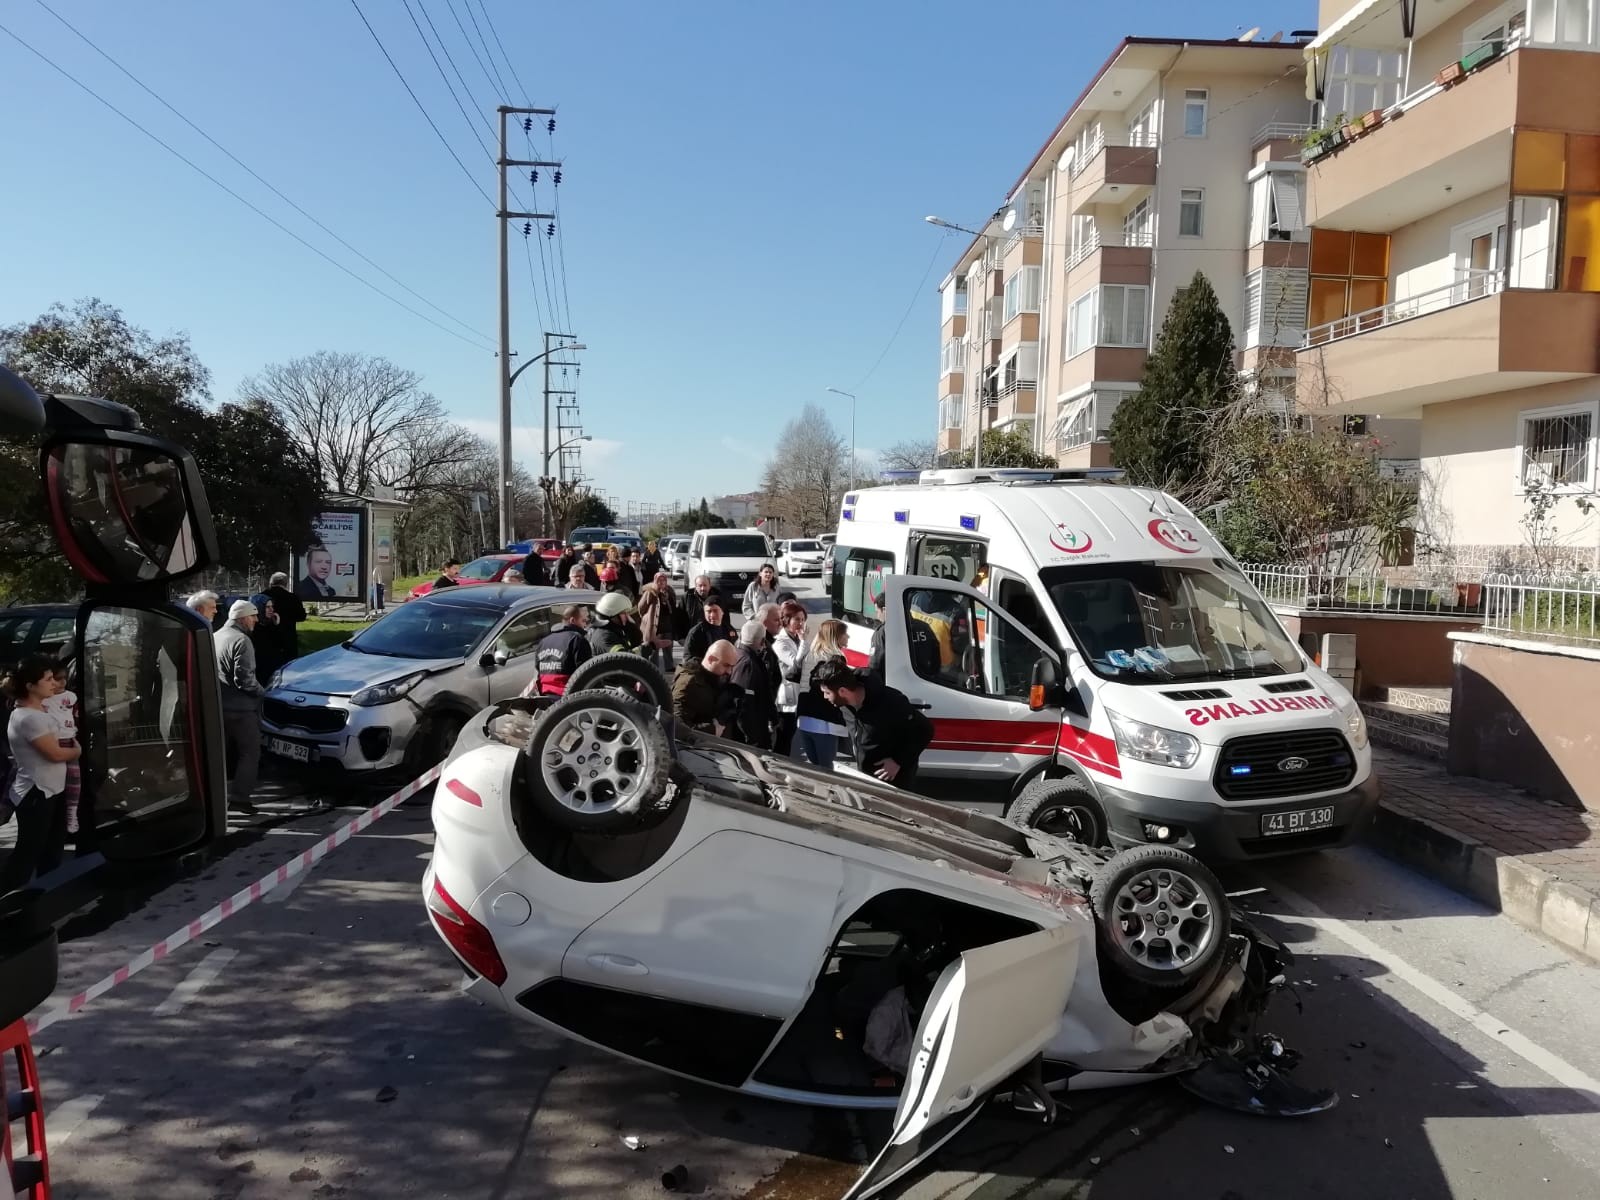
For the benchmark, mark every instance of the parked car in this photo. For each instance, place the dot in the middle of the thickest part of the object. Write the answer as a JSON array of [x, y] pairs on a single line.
[[598, 536], [626, 539], [491, 568], [754, 924], [800, 556], [35, 629], [673, 554], [393, 697]]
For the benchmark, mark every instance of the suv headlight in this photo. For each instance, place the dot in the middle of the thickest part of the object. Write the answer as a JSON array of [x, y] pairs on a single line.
[[1152, 744], [1355, 722], [386, 693]]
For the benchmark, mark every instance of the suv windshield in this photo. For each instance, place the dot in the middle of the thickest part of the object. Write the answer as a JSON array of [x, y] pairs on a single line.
[[579, 536], [808, 547], [747, 545], [1140, 622], [426, 631], [482, 568]]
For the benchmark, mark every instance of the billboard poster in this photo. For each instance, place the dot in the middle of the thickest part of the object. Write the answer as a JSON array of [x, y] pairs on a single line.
[[382, 535], [330, 567]]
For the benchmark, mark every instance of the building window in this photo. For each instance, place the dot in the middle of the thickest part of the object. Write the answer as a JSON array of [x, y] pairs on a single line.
[[1122, 315], [952, 356], [1349, 276], [1142, 129], [1286, 200], [1191, 211], [1136, 226], [1195, 103], [1022, 292], [1274, 306], [1361, 80], [1556, 447], [1566, 167], [950, 412], [1080, 324]]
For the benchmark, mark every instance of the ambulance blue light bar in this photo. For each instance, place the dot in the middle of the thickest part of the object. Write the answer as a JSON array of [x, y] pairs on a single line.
[[896, 475], [1242, 769], [848, 514], [902, 516], [969, 523]]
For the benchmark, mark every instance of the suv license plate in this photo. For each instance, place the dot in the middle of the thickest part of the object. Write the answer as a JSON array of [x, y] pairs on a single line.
[[289, 750], [1301, 820]]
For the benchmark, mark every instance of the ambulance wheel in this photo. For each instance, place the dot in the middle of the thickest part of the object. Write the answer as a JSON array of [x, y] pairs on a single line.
[[623, 669], [1063, 808], [1162, 916], [599, 762]]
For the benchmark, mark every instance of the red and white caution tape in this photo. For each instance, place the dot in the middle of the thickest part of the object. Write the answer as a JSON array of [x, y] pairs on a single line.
[[243, 898]]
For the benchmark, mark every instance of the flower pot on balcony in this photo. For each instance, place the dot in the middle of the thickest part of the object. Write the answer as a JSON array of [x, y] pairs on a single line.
[[1487, 52], [1373, 119], [1352, 131], [1449, 74]]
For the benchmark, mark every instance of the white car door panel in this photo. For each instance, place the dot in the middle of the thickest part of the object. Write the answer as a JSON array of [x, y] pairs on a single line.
[[991, 1012], [739, 922], [968, 668]]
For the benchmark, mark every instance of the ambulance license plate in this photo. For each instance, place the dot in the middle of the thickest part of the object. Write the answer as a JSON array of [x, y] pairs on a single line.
[[1300, 820]]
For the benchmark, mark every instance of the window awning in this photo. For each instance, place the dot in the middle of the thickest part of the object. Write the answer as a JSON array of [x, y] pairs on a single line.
[[1360, 15], [1071, 410]]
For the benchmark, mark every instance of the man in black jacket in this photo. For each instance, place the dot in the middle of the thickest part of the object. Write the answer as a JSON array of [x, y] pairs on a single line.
[[651, 561], [290, 613], [888, 734], [713, 626], [694, 600], [447, 577], [561, 652], [570, 557], [700, 691], [756, 689]]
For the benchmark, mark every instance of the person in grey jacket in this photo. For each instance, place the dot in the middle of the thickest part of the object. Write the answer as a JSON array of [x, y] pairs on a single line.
[[763, 589], [241, 701]]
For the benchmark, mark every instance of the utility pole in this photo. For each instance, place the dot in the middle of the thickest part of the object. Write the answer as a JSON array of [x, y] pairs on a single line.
[[507, 529], [544, 462]]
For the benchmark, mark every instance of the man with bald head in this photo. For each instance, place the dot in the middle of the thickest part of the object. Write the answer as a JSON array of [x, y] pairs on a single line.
[[698, 690]]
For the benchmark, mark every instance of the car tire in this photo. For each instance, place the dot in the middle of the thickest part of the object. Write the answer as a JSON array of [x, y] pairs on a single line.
[[1161, 915], [1062, 807], [623, 669], [599, 762]]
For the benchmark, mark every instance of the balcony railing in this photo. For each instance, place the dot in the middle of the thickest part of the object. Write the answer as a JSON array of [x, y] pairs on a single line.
[[1280, 130], [1031, 230], [1474, 285], [1141, 237], [1016, 385]]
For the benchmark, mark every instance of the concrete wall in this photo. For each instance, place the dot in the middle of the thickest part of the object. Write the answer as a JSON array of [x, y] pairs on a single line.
[[1391, 651], [1469, 467], [1421, 257], [1519, 716]]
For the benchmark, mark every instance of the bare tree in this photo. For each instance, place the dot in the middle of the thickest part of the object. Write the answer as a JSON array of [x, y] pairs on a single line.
[[364, 419], [917, 454], [806, 474]]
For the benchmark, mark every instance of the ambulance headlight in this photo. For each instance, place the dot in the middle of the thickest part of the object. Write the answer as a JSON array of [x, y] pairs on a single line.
[[1356, 724], [1152, 744]]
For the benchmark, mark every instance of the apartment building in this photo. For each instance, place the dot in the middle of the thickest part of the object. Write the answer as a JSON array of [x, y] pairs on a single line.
[[1454, 205], [1181, 155]]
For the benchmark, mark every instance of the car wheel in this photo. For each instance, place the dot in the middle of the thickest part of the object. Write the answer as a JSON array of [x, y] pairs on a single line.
[[1063, 808], [600, 763], [1162, 916], [622, 669]]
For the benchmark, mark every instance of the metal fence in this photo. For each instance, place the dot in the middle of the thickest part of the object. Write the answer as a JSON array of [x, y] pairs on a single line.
[[1550, 607], [1442, 591]]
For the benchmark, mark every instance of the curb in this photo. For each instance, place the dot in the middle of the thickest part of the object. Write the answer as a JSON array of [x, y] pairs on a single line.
[[1563, 912]]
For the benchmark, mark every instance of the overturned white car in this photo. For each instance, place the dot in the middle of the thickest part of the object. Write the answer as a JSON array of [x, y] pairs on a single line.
[[742, 920]]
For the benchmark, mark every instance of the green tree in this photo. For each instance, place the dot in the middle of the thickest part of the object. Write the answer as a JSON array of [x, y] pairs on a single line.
[[263, 489], [1001, 448], [1161, 435], [591, 510]]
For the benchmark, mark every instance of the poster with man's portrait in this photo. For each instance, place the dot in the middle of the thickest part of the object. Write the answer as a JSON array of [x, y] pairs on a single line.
[[330, 567]]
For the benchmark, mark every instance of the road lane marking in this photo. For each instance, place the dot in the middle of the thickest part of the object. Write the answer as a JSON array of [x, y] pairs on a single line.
[[1447, 998], [195, 981], [66, 1118]]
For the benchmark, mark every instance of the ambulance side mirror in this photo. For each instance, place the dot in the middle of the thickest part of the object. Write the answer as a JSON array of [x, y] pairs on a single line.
[[1044, 683]]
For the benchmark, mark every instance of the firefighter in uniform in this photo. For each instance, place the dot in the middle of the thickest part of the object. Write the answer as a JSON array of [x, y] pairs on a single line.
[[561, 652]]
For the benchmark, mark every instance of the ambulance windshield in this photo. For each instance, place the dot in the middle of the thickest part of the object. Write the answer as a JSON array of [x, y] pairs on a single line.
[[1151, 622]]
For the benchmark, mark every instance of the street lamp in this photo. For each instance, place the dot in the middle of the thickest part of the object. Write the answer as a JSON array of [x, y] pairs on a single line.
[[506, 530], [977, 441], [569, 442], [852, 395]]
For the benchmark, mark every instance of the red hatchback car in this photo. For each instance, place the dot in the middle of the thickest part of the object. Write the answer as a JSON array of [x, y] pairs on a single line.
[[491, 568]]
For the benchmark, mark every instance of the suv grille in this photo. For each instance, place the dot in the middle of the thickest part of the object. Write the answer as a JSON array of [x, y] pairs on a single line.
[[1249, 768], [310, 717]]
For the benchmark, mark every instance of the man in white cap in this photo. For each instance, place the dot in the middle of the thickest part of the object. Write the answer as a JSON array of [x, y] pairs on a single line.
[[614, 630], [241, 701]]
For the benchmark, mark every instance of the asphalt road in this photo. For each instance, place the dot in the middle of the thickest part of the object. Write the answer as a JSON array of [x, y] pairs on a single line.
[[316, 1046]]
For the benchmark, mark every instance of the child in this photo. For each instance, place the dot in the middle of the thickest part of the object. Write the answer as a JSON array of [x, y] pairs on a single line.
[[63, 710]]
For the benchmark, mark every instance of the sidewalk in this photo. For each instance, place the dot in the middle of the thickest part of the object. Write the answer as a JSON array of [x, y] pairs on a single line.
[[1537, 862]]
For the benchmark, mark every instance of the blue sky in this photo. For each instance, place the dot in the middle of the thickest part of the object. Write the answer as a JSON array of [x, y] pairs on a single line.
[[741, 204]]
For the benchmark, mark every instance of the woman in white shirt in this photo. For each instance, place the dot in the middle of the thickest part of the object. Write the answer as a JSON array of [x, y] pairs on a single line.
[[794, 670], [40, 775]]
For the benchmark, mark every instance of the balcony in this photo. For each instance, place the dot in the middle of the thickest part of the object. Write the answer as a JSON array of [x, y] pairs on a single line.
[[1444, 142], [1115, 175], [1469, 338], [1121, 259], [1018, 402], [949, 439], [1023, 248], [1102, 364]]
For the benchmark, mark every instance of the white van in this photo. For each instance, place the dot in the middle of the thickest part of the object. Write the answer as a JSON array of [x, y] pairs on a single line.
[[731, 557], [1096, 649]]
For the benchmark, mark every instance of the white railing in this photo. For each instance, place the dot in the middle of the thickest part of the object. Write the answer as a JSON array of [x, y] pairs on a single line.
[[1088, 154], [1474, 285], [1143, 237], [1279, 130], [1547, 607], [1026, 231], [1421, 590], [1016, 385]]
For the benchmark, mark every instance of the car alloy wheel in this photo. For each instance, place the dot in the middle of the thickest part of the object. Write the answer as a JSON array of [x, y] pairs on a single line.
[[1162, 914], [594, 761]]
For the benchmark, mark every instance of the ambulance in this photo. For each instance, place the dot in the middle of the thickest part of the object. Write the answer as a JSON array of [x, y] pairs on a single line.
[[1093, 648]]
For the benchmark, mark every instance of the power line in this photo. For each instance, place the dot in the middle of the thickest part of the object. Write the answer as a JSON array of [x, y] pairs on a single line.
[[451, 60], [466, 37], [264, 215], [472, 127], [533, 285], [544, 269], [443, 141], [510, 66], [561, 240], [504, 90], [905, 316], [255, 174]]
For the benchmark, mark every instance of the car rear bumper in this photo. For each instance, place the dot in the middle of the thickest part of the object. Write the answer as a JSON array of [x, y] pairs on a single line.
[[1222, 832]]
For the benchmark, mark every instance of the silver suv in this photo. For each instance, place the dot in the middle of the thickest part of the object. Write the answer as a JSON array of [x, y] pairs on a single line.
[[392, 698]]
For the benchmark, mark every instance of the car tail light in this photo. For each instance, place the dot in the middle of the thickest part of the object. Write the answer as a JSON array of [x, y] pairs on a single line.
[[469, 938]]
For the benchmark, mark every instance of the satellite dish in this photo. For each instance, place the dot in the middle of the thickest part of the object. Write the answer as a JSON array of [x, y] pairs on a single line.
[[1249, 34], [1277, 37], [1011, 220]]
